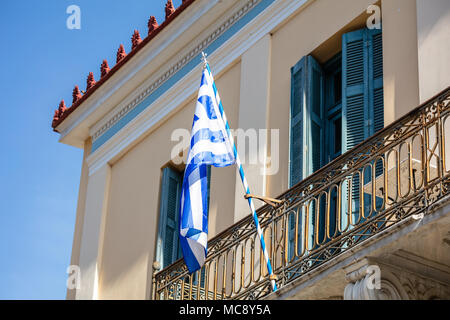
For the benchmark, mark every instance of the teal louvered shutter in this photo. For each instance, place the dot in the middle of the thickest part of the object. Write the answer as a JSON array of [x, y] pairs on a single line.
[[376, 96], [362, 93], [376, 75], [355, 101], [355, 88], [297, 141], [297, 137], [315, 133], [306, 119], [307, 126], [168, 249], [314, 116], [362, 86]]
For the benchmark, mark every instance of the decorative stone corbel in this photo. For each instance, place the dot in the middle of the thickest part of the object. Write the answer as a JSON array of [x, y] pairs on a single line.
[[370, 280], [401, 276]]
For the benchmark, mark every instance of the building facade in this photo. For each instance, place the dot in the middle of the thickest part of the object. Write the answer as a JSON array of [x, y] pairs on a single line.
[[348, 104]]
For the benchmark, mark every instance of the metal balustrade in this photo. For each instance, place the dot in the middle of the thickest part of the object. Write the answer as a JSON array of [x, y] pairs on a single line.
[[398, 173]]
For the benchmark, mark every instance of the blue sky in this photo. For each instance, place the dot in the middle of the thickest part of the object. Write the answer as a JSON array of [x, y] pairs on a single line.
[[40, 63]]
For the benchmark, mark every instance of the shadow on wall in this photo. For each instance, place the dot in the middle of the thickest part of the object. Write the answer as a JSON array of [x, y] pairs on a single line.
[[433, 37]]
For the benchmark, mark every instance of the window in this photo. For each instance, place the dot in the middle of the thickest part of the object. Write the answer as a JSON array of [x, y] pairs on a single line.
[[168, 246], [333, 108], [336, 105], [168, 249]]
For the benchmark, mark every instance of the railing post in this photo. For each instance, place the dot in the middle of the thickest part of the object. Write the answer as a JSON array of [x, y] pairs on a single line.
[[425, 165], [156, 267], [440, 139]]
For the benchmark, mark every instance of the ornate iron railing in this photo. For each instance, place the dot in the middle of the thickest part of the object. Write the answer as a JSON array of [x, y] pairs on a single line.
[[399, 172]]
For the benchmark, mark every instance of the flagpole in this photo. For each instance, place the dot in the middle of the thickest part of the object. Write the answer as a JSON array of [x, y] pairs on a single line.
[[272, 277]]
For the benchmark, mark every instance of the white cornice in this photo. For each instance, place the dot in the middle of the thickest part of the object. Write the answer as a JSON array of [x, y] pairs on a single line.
[[173, 98]]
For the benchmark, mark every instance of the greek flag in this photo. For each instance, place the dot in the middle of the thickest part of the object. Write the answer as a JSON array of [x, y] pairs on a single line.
[[210, 145]]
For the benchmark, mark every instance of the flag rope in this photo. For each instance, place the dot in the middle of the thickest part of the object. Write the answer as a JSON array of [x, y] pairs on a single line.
[[243, 178]]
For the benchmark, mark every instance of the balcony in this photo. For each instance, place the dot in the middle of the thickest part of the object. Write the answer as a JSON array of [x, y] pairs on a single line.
[[397, 175]]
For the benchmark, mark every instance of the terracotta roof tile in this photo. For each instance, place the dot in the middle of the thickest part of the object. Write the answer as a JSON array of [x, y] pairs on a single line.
[[169, 8], [152, 24], [121, 53], [104, 69], [76, 95], [90, 82], [135, 39]]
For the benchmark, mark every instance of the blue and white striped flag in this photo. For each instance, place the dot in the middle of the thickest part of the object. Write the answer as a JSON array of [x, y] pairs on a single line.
[[210, 145]]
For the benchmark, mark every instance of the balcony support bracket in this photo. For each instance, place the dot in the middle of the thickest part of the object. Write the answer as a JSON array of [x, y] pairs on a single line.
[[270, 201]]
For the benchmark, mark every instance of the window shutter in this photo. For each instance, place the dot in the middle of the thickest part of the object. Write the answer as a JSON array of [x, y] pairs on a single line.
[[168, 244], [362, 93], [315, 121], [377, 97], [362, 86], [376, 76], [298, 73], [307, 134], [307, 126], [355, 89]]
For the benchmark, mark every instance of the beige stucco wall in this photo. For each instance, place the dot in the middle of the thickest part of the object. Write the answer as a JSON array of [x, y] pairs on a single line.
[[433, 32], [92, 234], [79, 219], [131, 223], [400, 66], [251, 142]]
